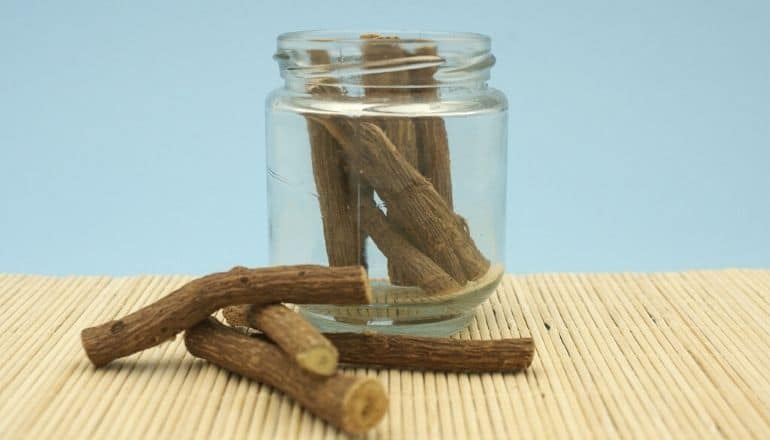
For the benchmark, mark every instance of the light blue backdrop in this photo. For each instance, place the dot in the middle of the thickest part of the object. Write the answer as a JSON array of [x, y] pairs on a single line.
[[131, 133]]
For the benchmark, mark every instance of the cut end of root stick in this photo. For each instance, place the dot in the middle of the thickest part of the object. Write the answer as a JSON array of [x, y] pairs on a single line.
[[93, 341], [528, 348], [321, 360], [235, 316], [364, 405], [87, 338]]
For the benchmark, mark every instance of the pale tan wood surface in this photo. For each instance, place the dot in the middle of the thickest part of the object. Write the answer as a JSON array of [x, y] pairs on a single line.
[[671, 355]]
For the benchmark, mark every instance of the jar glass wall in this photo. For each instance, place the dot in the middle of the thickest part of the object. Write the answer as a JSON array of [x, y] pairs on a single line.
[[389, 151]]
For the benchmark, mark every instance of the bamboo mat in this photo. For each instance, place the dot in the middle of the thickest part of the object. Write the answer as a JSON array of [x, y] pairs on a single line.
[[680, 355]]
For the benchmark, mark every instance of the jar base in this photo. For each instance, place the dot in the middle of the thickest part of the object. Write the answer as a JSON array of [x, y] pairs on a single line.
[[407, 310], [439, 327]]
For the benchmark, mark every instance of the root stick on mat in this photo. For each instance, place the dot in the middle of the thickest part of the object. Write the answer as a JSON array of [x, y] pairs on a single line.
[[437, 354], [196, 300], [420, 353], [351, 403], [295, 336]]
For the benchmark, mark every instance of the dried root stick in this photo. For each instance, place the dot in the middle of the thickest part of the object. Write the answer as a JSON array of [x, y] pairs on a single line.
[[402, 255], [436, 354], [351, 403], [293, 334], [433, 354], [196, 300], [388, 88], [338, 191], [428, 221], [434, 161]]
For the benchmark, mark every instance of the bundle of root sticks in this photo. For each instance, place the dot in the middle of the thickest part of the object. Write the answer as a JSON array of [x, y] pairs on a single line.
[[405, 161], [288, 353]]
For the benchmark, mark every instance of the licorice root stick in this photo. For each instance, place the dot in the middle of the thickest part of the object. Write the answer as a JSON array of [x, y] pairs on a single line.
[[351, 403], [418, 352], [392, 87], [432, 226], [404, 258], [293, 334], [431, 131], [196, 300], [338, 190], [435, 354]]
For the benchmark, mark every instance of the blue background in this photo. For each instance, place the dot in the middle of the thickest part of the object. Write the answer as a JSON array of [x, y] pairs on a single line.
[[131, 133]]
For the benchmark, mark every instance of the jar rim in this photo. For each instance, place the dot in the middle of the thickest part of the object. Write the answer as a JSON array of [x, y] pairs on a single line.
[[404, 36], [448, 58]]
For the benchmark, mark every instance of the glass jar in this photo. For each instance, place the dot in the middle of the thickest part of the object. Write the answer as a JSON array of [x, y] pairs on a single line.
[[389, 151]]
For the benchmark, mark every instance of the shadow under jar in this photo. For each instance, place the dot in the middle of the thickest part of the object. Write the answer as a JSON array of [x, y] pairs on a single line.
[[388, 150]]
